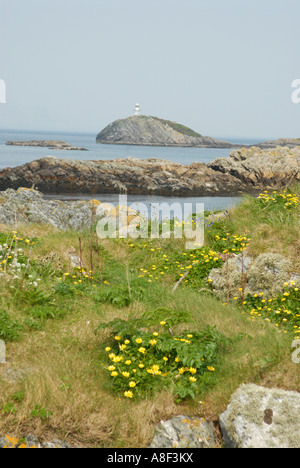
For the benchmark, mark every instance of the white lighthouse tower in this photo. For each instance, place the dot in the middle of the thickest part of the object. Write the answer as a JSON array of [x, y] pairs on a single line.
[[137, 110]]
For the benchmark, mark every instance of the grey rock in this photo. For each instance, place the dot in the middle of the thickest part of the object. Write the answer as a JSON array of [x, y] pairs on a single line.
[[259, 417], [267, 273], [184, 432], [152, 131], [265, 169], [50, 144]]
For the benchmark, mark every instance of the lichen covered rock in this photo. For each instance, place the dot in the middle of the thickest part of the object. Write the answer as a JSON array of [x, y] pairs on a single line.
[[267, 273], [184, 432], [259, 417]]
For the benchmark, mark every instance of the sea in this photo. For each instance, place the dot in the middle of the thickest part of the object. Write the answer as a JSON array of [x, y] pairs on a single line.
[[12, 156]]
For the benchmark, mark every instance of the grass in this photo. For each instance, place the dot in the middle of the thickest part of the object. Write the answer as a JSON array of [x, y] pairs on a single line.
[[67, 392]]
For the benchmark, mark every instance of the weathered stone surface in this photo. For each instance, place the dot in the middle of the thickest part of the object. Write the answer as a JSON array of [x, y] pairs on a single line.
[[50, 144], [259, 168], [29, 206], [259, 417], [288, 142], [245, 171], [184, 432], [31, 441], [152, 131], [132, 176], [265, 274]]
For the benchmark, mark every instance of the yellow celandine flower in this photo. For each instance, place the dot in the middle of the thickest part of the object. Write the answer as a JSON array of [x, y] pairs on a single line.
[[142, 350], [165, 358], [141, 366], [126, 374], [192, 370], [132, 384], [155, 334], [107, 349], [128, 394], [152, 342], [127, 342], [114, 374], [177, 359], [128, 362], [139, 340], [189, 335], [111, 368], [117, 338], [193, 379], [210, 368], [162, 322]]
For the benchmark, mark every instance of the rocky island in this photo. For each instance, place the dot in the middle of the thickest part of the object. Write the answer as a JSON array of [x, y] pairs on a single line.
[[288, 142], [247, 170], [152, 131], [50, 144]]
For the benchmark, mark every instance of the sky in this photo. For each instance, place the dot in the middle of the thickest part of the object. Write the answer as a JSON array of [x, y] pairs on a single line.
[[222, 67]]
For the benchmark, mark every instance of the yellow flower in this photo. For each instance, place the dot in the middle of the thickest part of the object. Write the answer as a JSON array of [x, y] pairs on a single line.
[[107, 349], [111, 368], [193, 379], [132, 384], [128, 394], [141, 366], [139, 340], [128, 362], [126, 374], [114, 374], [117, 338], [163, 323], [210, 368], [155, 334], [192, 370], [142, 350]]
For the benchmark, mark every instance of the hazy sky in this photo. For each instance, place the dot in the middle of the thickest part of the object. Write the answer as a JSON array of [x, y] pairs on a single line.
[[222, 67]]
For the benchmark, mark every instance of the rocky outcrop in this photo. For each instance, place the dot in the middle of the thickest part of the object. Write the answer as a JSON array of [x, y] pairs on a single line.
[[259, 417], [50, 144], [266, 274], [288, 142], [245, 171], [29, 206], [184, 432], [259, 168], [152, 131], [132, 176]]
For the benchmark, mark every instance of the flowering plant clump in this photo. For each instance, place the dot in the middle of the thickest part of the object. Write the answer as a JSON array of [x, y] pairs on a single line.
[[143, 360], [197, 263], [232, 243], [286, 200], [282, 310]]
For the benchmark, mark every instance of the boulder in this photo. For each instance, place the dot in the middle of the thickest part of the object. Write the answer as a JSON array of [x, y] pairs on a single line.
[[259, 417], [267, 273], [184, 432]]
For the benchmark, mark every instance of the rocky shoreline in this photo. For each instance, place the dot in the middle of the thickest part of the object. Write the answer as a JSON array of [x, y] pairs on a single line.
[[247, 170], [50, 144]]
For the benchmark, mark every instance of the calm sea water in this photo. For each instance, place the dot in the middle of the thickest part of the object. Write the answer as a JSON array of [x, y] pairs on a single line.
[[12, 156]]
